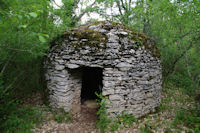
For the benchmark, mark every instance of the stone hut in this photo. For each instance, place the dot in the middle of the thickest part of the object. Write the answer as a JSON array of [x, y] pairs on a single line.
[[124, 64]]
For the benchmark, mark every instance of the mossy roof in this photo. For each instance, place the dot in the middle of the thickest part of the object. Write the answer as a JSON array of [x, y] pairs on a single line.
[[96, 38]]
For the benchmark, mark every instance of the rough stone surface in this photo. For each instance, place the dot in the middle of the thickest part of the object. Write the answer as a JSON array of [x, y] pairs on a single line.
[[131, 68]]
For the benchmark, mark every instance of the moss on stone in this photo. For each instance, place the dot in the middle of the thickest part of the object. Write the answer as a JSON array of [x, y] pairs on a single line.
[[141, 39], [94, 38], [86, 37], [146, 42]]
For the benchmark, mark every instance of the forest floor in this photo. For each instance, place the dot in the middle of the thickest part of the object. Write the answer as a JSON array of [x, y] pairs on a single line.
[[168, 117]]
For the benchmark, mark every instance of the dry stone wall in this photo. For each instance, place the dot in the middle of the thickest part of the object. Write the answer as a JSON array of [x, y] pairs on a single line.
[[130, 61]]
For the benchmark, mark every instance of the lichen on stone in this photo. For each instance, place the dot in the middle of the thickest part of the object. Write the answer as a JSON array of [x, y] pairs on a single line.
[[87, 37], [146, 42], [141, 39], [84, 36]]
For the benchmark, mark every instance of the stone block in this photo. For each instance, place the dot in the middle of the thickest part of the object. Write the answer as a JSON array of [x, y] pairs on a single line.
[[116, 98], [72, 66]]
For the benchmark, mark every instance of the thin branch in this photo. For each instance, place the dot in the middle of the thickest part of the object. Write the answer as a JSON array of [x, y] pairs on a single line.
[[4, 67], [119, 7], [129, 6], [171, 70], [9, 86], [123, 5], [77, 18], [76, 2], [14, 49], [126, 3], [6, 64], [56, 4], [75, 5]]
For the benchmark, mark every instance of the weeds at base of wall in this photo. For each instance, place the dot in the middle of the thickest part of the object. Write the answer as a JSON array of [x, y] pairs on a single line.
[[61, 116], [145, 129], [103, 121], [105, 124]]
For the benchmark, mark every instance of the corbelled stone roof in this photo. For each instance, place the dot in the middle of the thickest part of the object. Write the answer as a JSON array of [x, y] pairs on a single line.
[[97, 34]]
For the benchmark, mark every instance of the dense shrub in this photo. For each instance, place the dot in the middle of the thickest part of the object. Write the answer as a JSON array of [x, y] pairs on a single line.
[[184, 82], [14, 118]]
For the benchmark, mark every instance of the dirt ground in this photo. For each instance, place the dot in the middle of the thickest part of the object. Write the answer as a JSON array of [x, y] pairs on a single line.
[[158, 122], [83, 122]]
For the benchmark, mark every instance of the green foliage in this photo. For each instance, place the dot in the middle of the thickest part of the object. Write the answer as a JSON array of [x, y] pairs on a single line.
[[144, 129], [162, 107], [26, 29], [114, 126], [24, 80], [103, 121], [20, 119], [107, 124], [126, 119], [188, 117], [185, 82], [187, 111], [179, 80], [13, 117], [61, 116]]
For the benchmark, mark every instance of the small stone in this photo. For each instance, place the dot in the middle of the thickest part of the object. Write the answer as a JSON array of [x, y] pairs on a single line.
[[60, 61], [113, 45], [123, 64], [115, 97], [84, 51], [149, 95], [72, 66], [143, 82], [93, 27], [59, 67], [108, 92], [84, 40], [103, 31], [112, 37], [132, 51], [108, 83], [123, 33]]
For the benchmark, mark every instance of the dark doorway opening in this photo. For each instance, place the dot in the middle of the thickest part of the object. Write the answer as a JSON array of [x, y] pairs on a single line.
[[91, 83]]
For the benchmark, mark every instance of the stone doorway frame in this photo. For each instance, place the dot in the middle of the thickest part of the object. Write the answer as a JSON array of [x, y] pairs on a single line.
[[92, 81], [75, 78]]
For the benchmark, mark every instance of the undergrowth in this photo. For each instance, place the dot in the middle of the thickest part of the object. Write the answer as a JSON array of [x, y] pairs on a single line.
[[61, 116], [189, 118], [178, 112], [103, 120], [106, 124], [186, 114], [13, 117]]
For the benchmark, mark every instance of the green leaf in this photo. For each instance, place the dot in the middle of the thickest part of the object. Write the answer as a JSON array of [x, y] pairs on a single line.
[[20, 17], [42, 39], [33, 14], [45, 35], [22, 26]]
